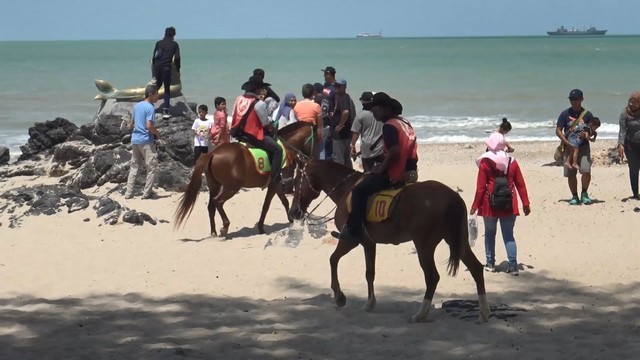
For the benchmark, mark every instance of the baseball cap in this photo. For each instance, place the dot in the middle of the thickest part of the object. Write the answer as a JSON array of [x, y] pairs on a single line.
[[341, 82], [575, 94], [329, 69], [366, 96]]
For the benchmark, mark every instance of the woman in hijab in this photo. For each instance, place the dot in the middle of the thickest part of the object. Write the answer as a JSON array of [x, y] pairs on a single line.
[[493, 164], [629, 139], [285, 116]]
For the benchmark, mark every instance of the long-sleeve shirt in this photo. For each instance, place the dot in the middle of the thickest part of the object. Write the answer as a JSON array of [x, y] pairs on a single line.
[[629, 129], [484, 186]]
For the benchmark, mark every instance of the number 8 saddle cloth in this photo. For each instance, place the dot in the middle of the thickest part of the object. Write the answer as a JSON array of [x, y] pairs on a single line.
[[261, 157]]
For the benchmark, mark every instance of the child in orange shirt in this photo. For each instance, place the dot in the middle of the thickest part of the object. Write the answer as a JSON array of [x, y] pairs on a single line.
[[220, 128]]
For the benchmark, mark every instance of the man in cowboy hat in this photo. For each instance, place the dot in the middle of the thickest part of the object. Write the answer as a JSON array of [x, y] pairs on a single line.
[[400, 159], [250, 118]]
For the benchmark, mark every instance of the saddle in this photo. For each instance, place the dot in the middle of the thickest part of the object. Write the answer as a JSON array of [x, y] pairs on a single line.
[[261, 157], [381, 204]]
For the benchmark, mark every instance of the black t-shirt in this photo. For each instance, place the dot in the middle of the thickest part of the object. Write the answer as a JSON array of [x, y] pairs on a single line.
[[391, 139], [164, 52], [568, 116], [343, 102]]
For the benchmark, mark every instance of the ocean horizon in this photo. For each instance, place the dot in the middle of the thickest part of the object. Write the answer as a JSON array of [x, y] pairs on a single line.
[[453, 89]]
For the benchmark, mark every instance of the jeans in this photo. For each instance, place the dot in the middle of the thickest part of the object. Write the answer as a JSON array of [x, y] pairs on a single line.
[[369, 185], [507, 224], [147, 155], [325, 149], [270, 145], [163, 77], [632, 152]]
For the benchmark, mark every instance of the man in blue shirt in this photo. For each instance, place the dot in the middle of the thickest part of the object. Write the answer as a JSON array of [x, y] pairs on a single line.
[[143, 147], [568, 120]]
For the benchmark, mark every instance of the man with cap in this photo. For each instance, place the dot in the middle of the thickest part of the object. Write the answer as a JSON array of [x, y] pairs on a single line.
[[341, 122], [567, 121], [400, 159], [365, 125], [327, 105], [165, 52], [251, 121]]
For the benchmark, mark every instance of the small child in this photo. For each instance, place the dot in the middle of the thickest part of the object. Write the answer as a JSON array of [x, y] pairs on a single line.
[[201, 128], [503, 129], [220, 128], [575, 140]]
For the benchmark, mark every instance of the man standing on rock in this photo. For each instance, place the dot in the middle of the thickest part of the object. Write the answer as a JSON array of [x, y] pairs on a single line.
[[165, 52], [143, 147]]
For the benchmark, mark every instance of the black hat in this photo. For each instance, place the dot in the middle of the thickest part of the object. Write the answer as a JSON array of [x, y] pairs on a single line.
[[575, 94], [366, 96], [329, 69], [382, 99], [318, 87], [254, 83]]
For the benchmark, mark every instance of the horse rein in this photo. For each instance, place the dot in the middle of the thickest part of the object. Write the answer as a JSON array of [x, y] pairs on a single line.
[[304, 175]]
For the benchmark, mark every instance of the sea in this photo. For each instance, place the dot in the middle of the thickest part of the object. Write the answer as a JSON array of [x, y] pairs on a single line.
[[453, 90]]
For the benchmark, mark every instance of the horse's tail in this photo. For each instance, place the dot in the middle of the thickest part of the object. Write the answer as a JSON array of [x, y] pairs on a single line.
[[188, 199], [458, 233]]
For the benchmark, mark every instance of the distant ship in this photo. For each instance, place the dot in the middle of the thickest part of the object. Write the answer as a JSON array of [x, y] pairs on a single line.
[[564, 31], [369, 35]]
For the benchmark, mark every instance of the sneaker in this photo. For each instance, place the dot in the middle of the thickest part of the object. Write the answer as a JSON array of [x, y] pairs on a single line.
[[128, 197], [165, 114], [490, 267], [150, 196], [575, 201], [513, 270], [585, 198]]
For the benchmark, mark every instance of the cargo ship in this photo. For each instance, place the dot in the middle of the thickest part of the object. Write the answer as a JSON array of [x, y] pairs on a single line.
[[564, 31], [369, 35]]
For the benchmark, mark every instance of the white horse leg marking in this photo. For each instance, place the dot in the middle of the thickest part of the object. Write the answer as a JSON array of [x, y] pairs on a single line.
[[483, 306], [422, 314]]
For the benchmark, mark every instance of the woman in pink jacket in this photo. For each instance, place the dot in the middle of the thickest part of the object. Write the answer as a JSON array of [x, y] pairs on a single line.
[[493, 164]]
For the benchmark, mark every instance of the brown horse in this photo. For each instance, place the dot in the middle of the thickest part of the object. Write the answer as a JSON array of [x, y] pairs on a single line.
[[231, 167], [425, 212]]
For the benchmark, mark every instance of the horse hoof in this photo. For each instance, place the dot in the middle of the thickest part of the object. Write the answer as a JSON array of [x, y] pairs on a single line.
[[341, 300], [223, 232], [417, 319], [370, 307]]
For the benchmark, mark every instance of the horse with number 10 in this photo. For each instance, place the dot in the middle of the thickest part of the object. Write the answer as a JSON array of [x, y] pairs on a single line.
[[425, 212], [230, 167]]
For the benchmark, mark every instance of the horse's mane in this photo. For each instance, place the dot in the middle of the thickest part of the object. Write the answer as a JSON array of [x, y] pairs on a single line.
[[333, 167], [292, 128]]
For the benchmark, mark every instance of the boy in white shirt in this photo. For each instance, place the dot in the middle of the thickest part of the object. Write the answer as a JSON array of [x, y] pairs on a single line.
[[201, 128]]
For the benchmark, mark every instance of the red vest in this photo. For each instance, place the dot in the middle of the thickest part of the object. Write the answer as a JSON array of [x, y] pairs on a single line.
[[253, 126], [408, 149]]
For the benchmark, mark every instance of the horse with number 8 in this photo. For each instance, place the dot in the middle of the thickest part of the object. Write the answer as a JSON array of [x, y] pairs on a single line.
[[231, 166]]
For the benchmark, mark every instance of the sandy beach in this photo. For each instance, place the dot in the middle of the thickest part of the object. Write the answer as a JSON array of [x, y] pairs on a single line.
[[76, 289]]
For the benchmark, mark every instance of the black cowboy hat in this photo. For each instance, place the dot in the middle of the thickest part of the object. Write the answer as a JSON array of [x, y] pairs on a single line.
[[254, 83], [383, 99]]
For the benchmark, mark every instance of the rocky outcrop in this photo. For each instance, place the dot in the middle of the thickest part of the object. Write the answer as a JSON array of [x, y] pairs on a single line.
[[92, 155], [4, 155]]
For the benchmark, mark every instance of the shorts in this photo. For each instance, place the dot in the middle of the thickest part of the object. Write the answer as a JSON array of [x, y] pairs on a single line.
[[584, 160]]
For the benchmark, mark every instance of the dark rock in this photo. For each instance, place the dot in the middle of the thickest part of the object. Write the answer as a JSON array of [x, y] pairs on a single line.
[[4, 155], [133, 217], [72, 151], [76, 203], [108, 208], [41, 200], [43, 136], [163, 221], [137, 218]]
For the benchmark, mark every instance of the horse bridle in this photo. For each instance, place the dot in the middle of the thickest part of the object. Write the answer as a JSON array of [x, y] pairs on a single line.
[[303, 174]]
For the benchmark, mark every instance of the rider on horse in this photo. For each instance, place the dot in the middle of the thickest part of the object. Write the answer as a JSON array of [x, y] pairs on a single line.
[[251, 122], [399, 166]]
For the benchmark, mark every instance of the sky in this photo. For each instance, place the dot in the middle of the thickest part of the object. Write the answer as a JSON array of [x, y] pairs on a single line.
[[233, 19]]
